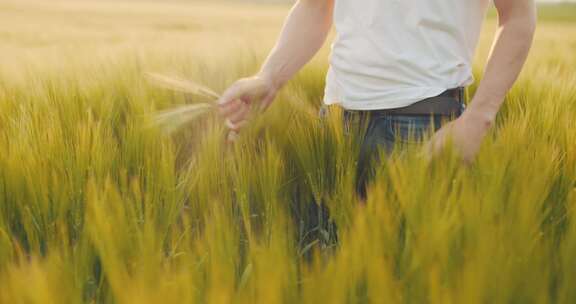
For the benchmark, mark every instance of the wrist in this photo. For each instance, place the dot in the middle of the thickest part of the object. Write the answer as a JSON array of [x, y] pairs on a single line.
[[480, 117], [273, 84]]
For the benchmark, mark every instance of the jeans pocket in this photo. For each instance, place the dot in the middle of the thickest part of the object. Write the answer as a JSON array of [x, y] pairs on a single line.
[[413, 129]]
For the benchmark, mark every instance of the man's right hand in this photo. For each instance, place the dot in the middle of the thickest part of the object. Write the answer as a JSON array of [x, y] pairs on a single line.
[[303, 34], [243, 98]]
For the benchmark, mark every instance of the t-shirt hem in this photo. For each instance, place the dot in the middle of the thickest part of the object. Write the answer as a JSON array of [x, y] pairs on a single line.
[[380, 105]]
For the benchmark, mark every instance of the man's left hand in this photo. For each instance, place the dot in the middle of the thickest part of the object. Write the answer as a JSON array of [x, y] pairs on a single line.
[[466, 133]]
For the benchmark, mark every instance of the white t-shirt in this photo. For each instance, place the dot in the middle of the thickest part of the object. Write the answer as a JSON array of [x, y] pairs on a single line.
[[393, 53]]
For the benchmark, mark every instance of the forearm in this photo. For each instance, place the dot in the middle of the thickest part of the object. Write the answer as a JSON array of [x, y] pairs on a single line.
[[507, 57], [303, 34]]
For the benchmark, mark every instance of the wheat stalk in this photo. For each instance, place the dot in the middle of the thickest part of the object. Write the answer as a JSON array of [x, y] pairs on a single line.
[[173, 119], [182, 85]]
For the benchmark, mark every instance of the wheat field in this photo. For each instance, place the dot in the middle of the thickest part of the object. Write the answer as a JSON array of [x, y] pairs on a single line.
[[99, 205]]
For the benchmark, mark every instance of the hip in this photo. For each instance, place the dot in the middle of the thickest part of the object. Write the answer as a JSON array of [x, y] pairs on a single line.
[[386, 128]]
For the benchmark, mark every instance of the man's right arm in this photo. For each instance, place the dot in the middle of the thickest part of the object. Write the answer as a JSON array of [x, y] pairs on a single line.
[[303, 34]]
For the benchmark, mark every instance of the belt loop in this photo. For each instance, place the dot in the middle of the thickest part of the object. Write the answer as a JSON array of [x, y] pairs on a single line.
[[323, 112], [463, 99]]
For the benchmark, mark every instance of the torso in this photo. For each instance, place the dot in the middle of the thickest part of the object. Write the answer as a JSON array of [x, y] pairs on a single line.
[[392, 53]]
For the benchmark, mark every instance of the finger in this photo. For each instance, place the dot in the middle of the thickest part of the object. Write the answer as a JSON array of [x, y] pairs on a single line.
[[236, 91], [229, 108], [232, 136], [230, 95], [236, 126], [436, 146], [240, 115]]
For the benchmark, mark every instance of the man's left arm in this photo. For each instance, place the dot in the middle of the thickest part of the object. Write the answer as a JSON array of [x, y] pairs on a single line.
[[517, 23]]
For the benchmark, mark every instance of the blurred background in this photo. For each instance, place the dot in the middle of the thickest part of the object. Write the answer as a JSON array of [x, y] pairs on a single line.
[[76, 144], [32, 30]]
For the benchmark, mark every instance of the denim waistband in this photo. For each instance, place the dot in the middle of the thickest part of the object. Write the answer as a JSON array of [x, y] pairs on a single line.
[[450, 102]]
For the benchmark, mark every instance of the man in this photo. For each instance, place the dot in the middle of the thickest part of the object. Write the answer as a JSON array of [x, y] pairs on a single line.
[[400, 64]]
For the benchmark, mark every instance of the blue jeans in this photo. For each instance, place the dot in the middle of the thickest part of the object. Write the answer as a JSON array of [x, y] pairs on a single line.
[[382, 133]]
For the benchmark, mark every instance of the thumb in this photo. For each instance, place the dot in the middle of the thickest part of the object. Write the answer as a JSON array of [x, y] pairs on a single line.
[[234, 92]]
